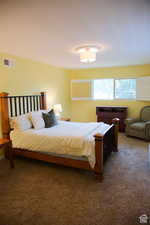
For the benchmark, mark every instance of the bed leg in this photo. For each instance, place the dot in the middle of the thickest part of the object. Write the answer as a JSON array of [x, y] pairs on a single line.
[[4, 114], [98, 169], [115, 121]]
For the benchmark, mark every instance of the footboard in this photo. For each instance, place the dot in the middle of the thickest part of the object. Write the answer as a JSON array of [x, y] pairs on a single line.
[[105, 144]]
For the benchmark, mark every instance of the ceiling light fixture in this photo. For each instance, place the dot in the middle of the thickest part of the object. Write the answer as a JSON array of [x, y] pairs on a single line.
[[87, 53]]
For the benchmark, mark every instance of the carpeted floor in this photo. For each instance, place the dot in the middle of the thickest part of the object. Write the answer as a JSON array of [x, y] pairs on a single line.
[[37, 193]]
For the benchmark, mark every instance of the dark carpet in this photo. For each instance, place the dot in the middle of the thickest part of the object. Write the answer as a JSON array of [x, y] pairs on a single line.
[[38, 193]]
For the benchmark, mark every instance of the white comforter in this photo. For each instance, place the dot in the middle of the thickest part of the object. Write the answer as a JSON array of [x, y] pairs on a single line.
[[68, 138]]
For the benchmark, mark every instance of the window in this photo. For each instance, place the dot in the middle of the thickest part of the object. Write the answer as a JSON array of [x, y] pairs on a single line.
[[125, 89], [108, 89], [103, 89]]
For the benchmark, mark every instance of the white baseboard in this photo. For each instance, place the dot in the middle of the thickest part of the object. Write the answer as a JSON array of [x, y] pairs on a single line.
[[1, 157]]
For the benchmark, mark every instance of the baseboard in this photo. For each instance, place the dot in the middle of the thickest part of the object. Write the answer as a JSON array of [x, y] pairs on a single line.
[[1, 157]]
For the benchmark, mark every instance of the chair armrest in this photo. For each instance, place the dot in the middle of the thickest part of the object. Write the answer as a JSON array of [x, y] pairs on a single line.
[[147, 124], [147, 130], [131, 120]]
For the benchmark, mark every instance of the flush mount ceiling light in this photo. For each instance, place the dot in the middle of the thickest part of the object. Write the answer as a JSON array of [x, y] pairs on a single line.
[[87, 53]]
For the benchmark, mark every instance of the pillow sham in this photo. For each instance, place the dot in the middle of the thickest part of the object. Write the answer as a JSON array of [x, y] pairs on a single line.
[[21, 122], [50, 119], [37, 120]]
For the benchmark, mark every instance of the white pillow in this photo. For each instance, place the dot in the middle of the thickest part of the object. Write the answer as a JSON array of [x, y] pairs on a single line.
[[37, 120], [44, 110], [20, 122]]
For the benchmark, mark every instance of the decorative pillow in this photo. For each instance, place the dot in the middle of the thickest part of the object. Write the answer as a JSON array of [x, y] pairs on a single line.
[[37, 120], [20, 122], [49, 119]]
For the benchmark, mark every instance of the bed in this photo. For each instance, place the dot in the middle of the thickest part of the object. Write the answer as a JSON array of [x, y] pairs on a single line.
[[79, 145]]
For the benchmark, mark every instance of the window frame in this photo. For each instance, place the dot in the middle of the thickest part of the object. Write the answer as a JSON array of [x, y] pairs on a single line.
[[114, 90]]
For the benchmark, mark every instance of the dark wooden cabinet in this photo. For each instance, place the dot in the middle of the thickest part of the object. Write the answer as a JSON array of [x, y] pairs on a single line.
[[107, 113]]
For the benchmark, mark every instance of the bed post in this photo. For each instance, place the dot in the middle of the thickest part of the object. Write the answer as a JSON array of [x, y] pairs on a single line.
[[4, 114], [115, 121], [98, 169], [43, 100]]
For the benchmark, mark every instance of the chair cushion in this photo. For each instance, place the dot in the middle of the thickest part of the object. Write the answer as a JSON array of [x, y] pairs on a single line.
[[138, 126]]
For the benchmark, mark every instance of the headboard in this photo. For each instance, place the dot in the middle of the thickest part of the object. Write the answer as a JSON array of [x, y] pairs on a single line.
[[17, 105]]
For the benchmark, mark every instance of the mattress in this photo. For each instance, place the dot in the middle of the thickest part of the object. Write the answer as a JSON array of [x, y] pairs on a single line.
[[65, 139]]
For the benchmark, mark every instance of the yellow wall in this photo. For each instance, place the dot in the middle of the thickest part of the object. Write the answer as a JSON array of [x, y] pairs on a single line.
[[85, 110], [29, 77]]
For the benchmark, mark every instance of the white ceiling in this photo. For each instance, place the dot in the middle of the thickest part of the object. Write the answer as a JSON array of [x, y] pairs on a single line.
[[47, 30]]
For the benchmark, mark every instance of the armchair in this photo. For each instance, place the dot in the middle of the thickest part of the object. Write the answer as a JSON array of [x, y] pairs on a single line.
[[139, 127]]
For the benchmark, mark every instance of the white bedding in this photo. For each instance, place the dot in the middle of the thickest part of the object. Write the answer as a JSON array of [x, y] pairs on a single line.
[[69, 138]]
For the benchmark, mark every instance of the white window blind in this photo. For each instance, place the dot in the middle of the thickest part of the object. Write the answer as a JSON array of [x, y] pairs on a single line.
[[143, 88], [81, 89]]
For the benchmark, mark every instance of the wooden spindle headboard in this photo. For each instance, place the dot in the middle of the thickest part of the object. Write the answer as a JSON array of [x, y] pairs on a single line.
[[17, 105]]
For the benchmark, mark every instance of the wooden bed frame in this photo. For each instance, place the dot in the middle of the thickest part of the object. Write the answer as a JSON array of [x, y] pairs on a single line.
[[16, 105]]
